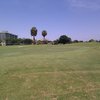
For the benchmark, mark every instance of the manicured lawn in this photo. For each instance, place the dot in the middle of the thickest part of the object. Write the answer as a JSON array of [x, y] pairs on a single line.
[[50, 72]]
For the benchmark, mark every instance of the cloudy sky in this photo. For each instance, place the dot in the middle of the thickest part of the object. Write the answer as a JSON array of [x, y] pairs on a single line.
[[78, 19]]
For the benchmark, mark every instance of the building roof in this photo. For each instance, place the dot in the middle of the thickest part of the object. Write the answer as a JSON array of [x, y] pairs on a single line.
[[4, 32]]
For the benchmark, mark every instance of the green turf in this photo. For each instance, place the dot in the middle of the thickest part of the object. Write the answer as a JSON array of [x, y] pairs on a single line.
[[50, 72]]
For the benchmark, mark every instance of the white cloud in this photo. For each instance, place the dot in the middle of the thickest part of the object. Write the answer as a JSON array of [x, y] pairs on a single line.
[[90, 4]]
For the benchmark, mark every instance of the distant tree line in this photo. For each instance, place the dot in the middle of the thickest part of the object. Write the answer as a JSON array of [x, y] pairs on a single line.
[[18, 41], [63, 39]]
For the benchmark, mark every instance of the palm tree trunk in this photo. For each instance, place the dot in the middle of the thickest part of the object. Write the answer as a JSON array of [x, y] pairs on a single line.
[[44, 40], [34, 41]]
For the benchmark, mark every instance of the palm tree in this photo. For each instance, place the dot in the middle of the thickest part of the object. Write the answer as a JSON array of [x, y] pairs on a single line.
[[44, 33], [34, 33]]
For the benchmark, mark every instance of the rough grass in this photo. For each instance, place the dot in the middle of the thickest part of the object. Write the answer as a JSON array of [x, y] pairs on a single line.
[[48, 72]]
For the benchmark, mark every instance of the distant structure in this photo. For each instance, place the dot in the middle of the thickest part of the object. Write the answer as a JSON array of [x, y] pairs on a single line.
[[6, 35]]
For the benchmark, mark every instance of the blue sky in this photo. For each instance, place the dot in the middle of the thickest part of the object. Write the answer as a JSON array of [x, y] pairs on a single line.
[[78, 19]]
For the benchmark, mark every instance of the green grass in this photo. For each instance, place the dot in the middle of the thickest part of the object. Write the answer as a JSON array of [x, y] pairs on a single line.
[[50, 72]]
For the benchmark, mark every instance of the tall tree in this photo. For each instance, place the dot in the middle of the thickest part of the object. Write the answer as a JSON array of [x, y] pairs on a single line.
[[34, 33], [64, 39], [44, 33]]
